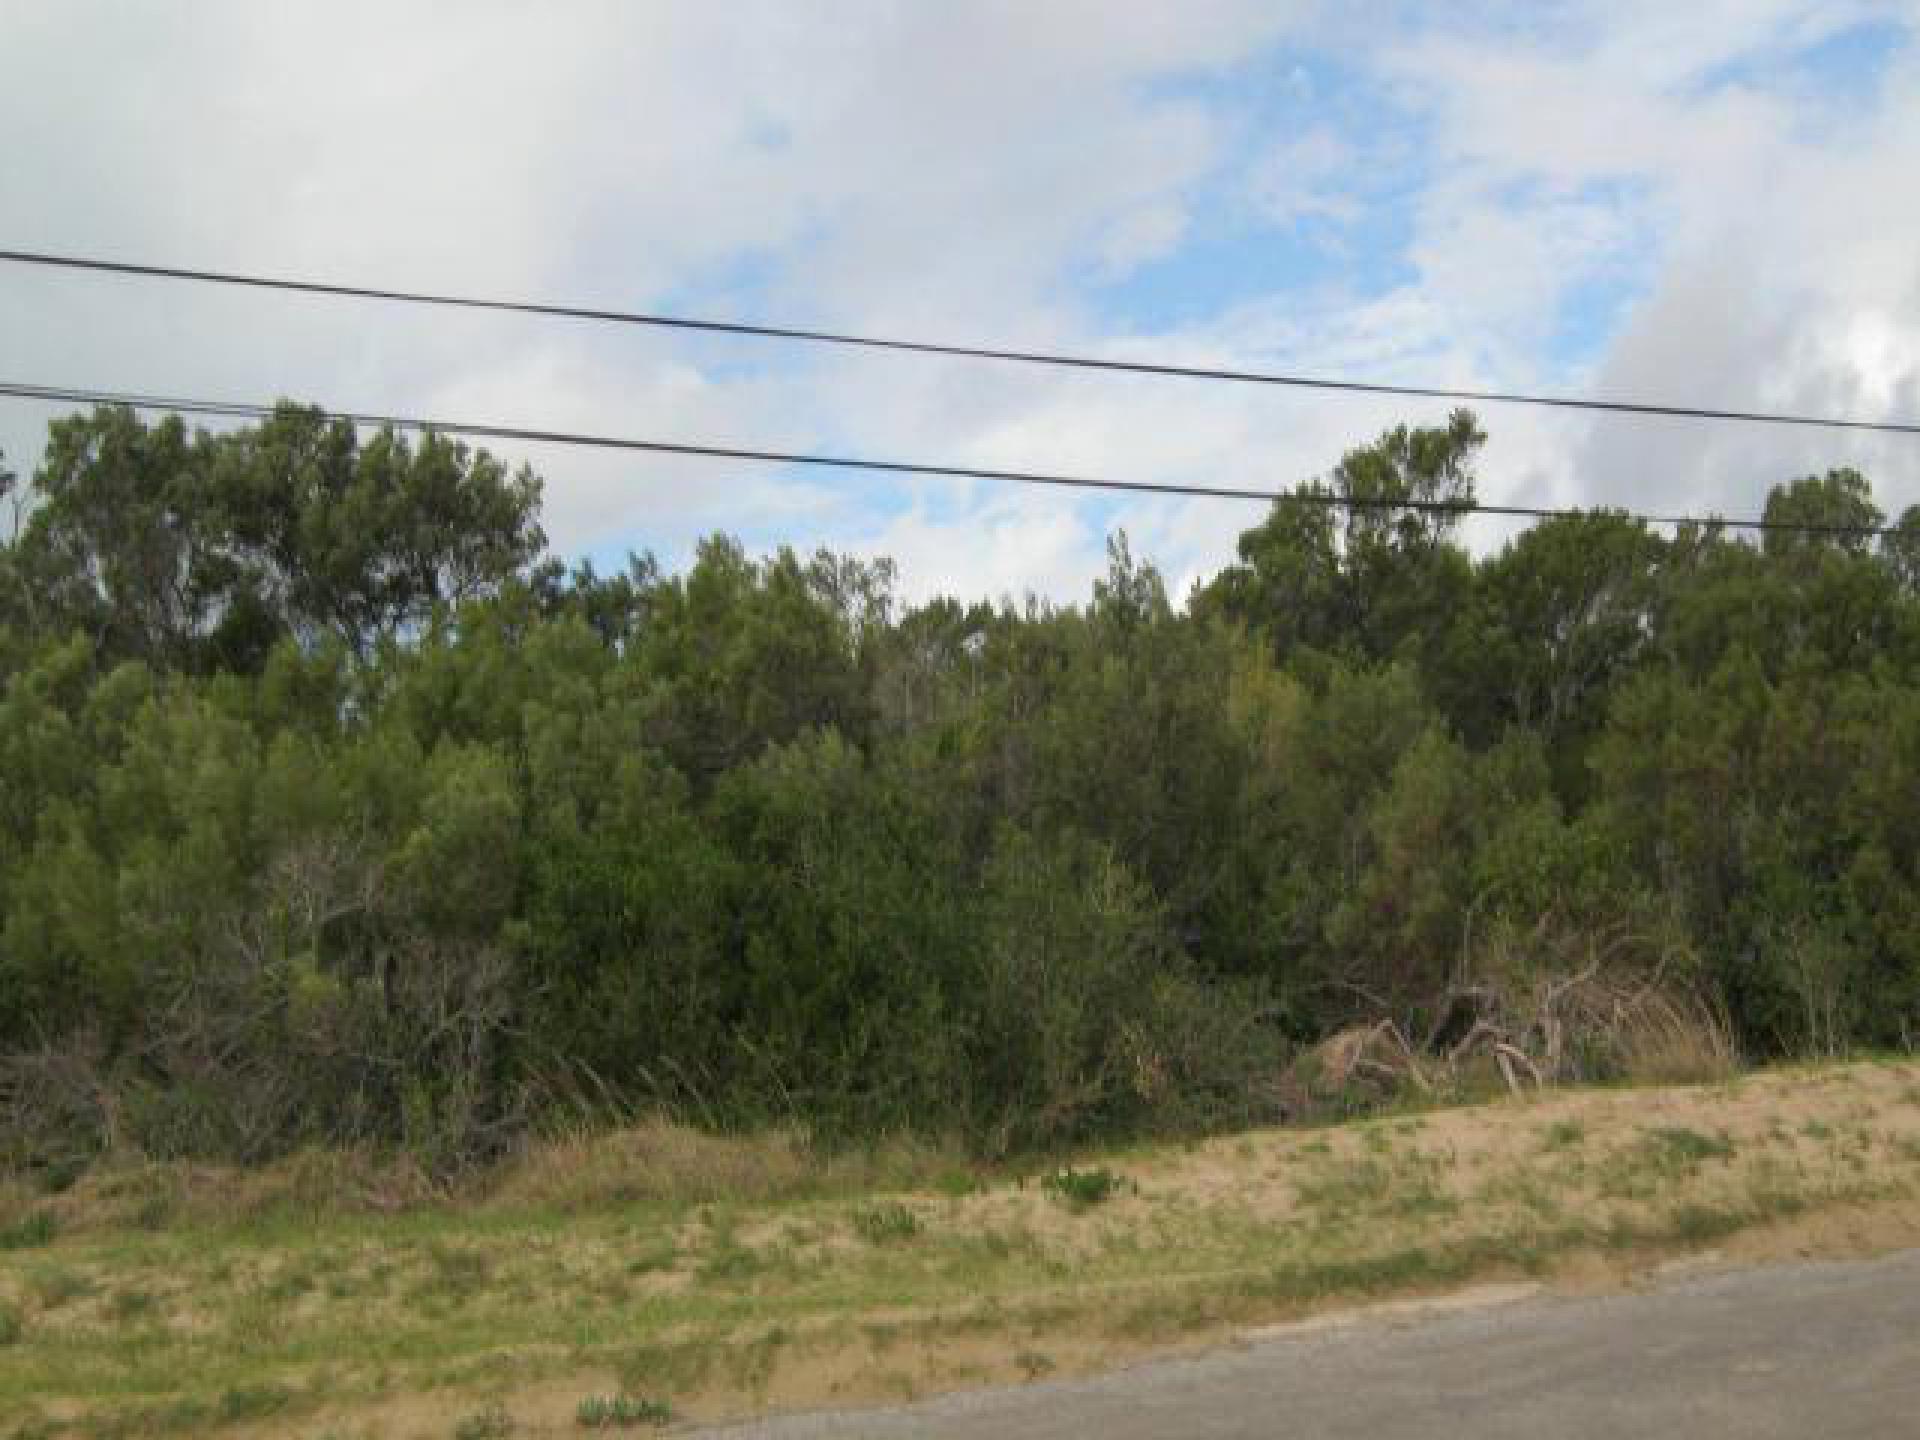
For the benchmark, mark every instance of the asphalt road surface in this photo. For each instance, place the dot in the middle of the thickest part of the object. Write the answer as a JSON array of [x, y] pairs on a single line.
[[1828, 1350]]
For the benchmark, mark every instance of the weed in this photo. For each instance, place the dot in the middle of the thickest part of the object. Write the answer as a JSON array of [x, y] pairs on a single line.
[[1033, 1364], [458, 1274], [1659, 1158], [290, 1284], [1398, 1269], [682, 1365], [56, 1286], [1689, 1147], [731, 1262], [956, 1184], [883, 1224], [253, 1402], [1081, 1190], [655, 1258], [31, 1232], [613, 1289], [1526, 1188], [620, 1412], [1375, 1187], [1698, 1224], [752, 1364], [1564, 1134], [12, 1325], [127, 1307], [492, 1423], [1773, 1191]]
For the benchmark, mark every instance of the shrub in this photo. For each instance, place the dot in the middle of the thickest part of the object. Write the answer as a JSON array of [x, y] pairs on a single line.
[[1081, 1190]]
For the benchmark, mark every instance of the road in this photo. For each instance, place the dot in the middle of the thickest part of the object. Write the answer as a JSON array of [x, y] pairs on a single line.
[[1829, 1350]]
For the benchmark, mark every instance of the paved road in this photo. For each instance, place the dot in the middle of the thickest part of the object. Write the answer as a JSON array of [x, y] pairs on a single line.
[[1831, 1351]]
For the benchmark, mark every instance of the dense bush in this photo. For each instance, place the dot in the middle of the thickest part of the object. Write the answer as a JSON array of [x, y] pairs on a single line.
[[330, 811]]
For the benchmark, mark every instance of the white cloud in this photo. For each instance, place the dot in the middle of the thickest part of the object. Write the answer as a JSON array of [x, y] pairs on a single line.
[[951, 170], [1307, 177]]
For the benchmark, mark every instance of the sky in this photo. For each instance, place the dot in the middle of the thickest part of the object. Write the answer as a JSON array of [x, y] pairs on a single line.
[[1711, 204]]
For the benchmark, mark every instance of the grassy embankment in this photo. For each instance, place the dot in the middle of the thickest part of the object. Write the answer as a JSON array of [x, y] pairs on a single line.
[[602, 1284]]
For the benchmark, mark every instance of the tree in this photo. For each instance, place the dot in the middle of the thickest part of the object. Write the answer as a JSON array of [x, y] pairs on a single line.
[[1363, 563], [1839, 505], [1558, 618], [739, 655], [199, 552], [1901, 551]]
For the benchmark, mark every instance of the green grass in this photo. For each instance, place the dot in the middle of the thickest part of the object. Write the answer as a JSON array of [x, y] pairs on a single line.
[[1658, 1159], [181, 1331], [1034, 1363], [30, 1232], [1081, 1190], [56, 1285], [885, 1224], [730, 1262], [1676, 1145], [492, 1423], [253, 1402], [1563, 1135], [621, 1412], [1374, 1187], [132, 1306]]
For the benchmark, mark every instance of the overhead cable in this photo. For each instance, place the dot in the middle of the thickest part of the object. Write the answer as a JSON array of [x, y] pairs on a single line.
[[1165, 369], [492, 430]]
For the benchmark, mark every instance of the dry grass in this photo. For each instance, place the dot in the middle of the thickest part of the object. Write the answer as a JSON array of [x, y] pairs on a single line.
[[655, 1162], [719, 1276]]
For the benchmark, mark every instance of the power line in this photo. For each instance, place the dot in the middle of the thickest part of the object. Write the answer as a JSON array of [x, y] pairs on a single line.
[[488, 430], [932, 347]]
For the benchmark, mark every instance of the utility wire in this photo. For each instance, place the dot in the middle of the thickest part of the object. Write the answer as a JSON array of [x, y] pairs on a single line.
[[931, 347], [488, 430]]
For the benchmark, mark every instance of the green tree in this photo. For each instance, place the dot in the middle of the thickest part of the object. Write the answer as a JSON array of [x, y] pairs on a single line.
[[1365, 562], [199, 552]]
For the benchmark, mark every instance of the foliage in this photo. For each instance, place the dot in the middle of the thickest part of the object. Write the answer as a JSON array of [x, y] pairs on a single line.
[[333, 812]]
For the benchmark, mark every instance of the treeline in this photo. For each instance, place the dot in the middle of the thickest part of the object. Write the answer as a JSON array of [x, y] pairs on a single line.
[[333, 810]]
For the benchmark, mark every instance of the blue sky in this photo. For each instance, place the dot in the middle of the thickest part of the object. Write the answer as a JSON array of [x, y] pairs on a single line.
[[1711, 203]]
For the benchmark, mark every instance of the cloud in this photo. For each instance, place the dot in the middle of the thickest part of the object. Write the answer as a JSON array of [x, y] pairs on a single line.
[[1307, 177], [1638, 199]]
